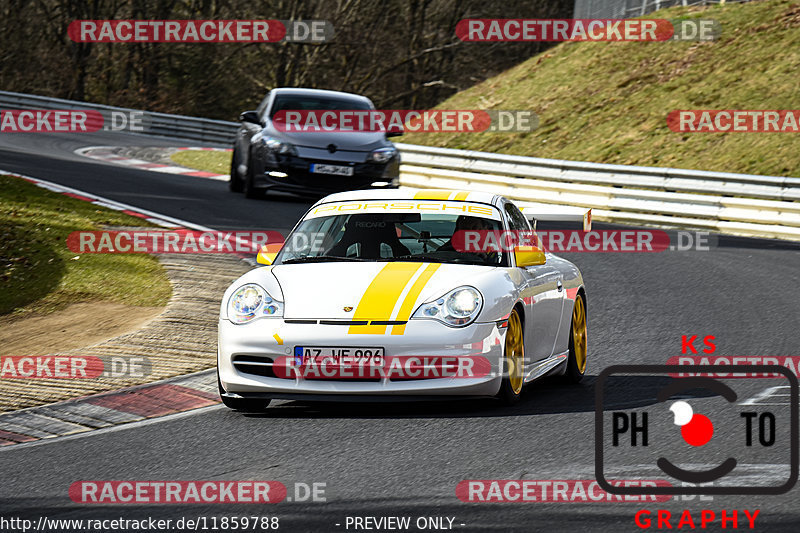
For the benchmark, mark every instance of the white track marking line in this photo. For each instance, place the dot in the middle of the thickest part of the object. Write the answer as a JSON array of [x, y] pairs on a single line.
[[766, 394], [109, 157], [107, 202]]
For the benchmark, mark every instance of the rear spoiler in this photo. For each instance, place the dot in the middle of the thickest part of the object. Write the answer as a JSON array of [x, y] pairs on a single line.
[[557, 213]]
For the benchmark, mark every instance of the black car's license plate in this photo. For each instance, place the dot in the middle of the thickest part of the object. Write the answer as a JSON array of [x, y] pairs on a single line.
[[336, 170]]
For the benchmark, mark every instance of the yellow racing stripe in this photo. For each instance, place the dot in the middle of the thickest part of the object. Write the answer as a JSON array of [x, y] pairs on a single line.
[[432, 194], [441, 194], [381, 296], [407, 307]]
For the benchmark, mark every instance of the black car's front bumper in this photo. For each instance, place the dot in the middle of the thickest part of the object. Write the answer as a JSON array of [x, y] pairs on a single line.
[[293, 174]]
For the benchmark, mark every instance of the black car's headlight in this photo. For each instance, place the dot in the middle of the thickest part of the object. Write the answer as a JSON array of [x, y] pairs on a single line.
[[278, 146], [458, 307], [250, 301], [382, 155]]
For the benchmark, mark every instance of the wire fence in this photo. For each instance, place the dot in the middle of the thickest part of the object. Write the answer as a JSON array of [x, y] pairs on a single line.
[[622, 9]]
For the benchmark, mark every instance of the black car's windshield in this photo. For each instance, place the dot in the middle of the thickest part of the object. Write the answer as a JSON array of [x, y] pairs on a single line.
[[387, 236], [315, 103]]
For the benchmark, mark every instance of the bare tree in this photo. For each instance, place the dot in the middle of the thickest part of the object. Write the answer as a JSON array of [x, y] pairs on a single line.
[[400, 53]]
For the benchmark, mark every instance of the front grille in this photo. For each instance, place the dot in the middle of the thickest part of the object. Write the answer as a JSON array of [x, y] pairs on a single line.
[[344, 380], [256, 365], [333, 322], [299, 175]]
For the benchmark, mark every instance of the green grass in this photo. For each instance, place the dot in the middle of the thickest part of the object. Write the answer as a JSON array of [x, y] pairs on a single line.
[[39, 274], [210, 161], [608, 102]]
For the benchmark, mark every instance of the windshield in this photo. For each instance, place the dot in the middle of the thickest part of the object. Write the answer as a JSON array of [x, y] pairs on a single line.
[[423, 237], [315, 103]]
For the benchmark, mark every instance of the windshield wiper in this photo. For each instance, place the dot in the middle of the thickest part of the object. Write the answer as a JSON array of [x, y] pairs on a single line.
[[319, 259], [430, 258]]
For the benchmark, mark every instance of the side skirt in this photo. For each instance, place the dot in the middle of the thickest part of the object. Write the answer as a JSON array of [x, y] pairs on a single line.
[[541, 368]]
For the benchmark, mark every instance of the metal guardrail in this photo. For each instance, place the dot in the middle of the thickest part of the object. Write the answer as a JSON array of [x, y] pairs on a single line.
[[741, 204], [161, 124]]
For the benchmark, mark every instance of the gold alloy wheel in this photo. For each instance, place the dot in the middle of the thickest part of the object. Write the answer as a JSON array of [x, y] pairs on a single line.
[[514, 352], [579, 334]]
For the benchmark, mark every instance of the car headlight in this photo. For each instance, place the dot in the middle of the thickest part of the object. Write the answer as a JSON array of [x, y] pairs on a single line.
[[278, 146], [250, 301], [458, 307], [382, 155]]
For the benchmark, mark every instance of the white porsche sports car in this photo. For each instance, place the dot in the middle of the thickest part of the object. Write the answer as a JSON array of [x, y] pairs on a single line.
[[372, 298]]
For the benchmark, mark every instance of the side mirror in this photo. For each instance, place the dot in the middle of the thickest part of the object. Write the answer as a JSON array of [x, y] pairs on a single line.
[[268, 253], [394, 133], [528, 256], [251, 117]]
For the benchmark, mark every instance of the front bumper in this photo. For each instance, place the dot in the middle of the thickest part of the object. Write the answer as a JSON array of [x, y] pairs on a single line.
[[267, 339], [299, 178]]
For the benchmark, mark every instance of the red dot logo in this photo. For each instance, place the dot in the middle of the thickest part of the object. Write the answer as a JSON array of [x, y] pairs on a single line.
[[696, 429]]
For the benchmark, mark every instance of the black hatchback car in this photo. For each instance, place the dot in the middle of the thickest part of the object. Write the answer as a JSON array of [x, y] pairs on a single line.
[[269, 158]]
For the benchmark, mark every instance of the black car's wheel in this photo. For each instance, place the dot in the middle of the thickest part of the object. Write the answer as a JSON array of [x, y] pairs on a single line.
[[576, 362], [235, 182], [242, 404], [250, 190], [513, 361]]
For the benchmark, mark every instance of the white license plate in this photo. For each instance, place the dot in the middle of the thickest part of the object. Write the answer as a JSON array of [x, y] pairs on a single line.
[[338, 356], [336, 170]]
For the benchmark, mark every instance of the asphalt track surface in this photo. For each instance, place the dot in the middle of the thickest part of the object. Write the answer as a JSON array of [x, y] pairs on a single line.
[[406, 460]]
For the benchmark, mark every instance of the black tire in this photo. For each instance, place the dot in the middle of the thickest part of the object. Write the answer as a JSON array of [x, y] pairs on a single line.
[[242, 404], [577, 359], [513, 356], [250, 190], [235, 182]]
